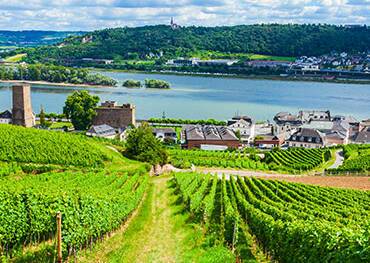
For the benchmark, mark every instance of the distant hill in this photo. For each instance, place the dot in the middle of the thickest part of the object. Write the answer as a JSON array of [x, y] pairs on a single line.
[[272, 39], [34, 37]]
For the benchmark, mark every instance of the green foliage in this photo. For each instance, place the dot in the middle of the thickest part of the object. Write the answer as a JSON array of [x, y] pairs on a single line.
[[268, 39], [131, 83], [225, 159], [142, 145], [55, 74], [156, 84], [296, 159], [92, 204], [208, 54], [292, 222], [23, 145], [181, 121], [80, 108], [357, 159]]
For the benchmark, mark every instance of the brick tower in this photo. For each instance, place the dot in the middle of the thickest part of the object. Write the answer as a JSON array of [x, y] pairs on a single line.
[[22, 108]]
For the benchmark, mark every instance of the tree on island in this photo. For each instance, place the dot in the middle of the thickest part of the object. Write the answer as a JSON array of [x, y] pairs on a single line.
[[156, 84], [141, 145], [80, 108], [131, 83]]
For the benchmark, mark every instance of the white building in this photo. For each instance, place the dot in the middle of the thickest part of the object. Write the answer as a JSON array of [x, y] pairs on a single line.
[[165, 134], [244, 125]]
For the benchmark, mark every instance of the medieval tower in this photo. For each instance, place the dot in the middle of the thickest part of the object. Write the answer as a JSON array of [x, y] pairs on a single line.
[[22, 108]]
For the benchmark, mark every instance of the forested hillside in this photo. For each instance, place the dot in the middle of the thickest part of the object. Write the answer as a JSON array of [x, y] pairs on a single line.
[[34, 37], [273, 39]]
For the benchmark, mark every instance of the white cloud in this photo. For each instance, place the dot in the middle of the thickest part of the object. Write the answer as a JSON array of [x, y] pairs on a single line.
[[96, 14]]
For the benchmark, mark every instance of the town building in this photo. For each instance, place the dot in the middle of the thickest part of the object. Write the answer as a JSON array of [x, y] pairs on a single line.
[[287, 119], [5, 117], [108, 132], [164, 134], [308, 138], [268, 64], [268, 141], [216, 62], [363, 137], [22, 109], [209, 137], [116, 116], [243, 125], [266, 136], [97, 61], [314, 115]]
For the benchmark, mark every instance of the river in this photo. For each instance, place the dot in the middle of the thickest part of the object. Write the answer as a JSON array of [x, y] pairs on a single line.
[[211, 97]]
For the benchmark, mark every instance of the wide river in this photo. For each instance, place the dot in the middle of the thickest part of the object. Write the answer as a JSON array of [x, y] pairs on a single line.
[[209, 97]]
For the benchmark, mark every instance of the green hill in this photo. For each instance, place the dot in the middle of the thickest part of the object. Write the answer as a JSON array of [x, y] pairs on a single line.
[[273, 39], [23, 145]]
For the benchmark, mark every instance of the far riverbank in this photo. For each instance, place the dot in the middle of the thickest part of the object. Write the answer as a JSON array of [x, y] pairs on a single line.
[[60, 84], [236, 76]]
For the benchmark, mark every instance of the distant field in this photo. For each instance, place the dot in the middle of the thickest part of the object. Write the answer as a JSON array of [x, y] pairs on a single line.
[[8, 47], [204, 54], [15, 58]]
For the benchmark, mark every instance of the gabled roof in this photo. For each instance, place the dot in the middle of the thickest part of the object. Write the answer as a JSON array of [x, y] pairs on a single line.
[[363, 136], [103, 129], [304, 133], [240, 122], [209, 132], [6, 115]]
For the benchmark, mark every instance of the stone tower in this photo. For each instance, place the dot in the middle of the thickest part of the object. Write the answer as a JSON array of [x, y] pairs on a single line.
[[22, 108]]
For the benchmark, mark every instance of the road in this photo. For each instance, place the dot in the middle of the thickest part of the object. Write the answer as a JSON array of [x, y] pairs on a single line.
[[339, 158]]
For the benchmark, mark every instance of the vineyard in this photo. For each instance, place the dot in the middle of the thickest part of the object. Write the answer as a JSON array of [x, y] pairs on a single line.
[[185, 158], [43, 172], [297, 159], [357, 159], [92, 205], [23, 145], [289, 222], [292, 160]]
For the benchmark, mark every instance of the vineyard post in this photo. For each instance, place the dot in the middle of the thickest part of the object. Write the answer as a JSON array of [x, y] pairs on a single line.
[[59, 237]]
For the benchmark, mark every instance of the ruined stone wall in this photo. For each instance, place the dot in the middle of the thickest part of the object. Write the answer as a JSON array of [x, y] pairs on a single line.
[[116, 117]]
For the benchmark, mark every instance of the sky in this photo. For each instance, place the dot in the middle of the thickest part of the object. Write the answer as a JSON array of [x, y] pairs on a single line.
[[89, 15]]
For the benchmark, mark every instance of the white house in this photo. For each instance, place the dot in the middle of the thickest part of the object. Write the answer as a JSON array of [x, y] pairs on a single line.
[[244, 125], [6, 117], [165, 134]]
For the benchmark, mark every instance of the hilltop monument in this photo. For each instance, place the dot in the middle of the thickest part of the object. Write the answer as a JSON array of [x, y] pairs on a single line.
[[22, 109]]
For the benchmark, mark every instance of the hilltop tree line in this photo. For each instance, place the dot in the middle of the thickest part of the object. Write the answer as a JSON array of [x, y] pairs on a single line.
[[55, 74], [272, 39]]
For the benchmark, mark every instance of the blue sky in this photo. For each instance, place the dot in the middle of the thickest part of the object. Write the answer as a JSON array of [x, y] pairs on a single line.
[[97, 14]]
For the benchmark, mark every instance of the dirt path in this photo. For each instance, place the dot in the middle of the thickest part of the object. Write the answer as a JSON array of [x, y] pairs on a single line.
[[159, 241], [351, 182], [339, 158], [228, 172], [158, 233]]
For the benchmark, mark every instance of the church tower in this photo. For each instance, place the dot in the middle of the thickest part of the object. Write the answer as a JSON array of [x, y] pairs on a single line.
[[22, 108]]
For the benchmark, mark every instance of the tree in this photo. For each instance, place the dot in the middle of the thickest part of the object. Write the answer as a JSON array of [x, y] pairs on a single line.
[[141, 145], [80, 108], [42, 118]]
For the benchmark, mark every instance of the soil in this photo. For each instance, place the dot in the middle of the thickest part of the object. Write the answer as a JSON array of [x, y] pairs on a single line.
[[352, 182]]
